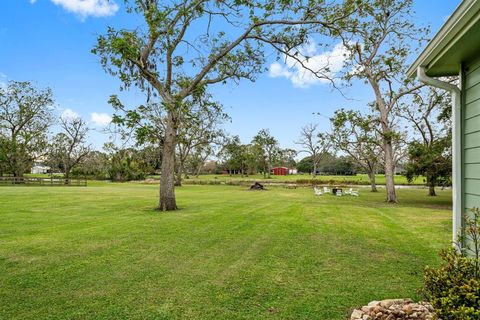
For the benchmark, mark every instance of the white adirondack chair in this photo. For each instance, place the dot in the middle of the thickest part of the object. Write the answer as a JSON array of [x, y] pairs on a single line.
[[326, 190], [317, 191], [339, 193], [352, 192]]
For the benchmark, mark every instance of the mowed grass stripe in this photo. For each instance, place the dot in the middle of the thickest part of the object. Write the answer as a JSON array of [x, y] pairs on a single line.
[[103, 252]]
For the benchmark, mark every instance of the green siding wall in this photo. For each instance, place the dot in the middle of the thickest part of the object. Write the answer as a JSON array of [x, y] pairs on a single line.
[[471, 136], [471, 140]]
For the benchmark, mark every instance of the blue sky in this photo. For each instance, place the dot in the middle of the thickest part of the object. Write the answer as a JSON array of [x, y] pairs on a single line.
[[48, 42]]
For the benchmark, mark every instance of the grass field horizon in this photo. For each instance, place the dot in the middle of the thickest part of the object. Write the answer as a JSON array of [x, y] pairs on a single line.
[[104, 252], [358, 179]]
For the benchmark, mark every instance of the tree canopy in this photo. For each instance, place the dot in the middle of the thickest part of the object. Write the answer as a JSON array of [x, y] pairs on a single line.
[[182, 48], [25, 116]]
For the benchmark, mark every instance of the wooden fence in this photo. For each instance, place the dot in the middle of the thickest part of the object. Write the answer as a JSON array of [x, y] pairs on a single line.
[[16, 181]]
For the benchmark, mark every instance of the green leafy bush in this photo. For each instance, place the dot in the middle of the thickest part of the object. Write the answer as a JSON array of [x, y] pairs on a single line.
[[453, 289]]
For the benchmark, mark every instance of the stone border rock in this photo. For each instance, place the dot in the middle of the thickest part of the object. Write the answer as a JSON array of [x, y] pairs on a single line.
[[393, 309]]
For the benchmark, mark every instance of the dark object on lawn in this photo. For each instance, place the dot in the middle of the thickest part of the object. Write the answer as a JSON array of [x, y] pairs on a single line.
[[257, 186]]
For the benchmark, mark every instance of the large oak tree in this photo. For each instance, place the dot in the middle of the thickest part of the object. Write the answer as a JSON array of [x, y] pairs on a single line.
[[198, 129], [428, 114], [25, 117], [69, 147], [379, 37], [315, 143], [183, 46], [357, 136], [268, 144]]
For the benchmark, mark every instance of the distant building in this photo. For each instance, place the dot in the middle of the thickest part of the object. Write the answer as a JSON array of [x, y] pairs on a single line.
[[280, 171], [39, 167], [292, 171]]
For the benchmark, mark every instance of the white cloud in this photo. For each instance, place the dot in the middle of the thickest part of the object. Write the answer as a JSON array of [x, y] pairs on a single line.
[[85, 8], [33, 1], [100, 119], [277, 70], [69, 114], [3, 80], [302, 77]]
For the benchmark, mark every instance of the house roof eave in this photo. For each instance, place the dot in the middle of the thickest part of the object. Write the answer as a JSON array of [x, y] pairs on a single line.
[[444, 53]]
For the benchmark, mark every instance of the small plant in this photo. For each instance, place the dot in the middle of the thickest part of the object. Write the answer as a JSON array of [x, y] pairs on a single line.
[[453, 289], [471, 239]]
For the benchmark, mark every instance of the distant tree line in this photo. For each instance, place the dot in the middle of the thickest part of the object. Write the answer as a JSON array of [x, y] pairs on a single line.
[[331, 164], [259, 156], [352, 145], [420, 140], [27, 117], [180, 122]]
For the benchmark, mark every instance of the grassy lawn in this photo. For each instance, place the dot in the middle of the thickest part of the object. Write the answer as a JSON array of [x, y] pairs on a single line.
[[102, 252], [357, 179]]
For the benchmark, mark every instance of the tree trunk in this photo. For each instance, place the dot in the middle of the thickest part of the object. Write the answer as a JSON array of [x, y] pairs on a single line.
[[167, 179], [314, 174], [178, 178], [199, 168], [389, 171], [15, 167], [387, 141], [373, 183], [18, 173], [431, 188], [67, 175]]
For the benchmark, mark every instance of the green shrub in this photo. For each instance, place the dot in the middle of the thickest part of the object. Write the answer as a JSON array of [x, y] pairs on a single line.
[[453, 289]]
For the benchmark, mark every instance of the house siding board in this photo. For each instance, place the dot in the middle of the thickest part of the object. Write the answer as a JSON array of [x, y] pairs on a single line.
[[472, 155], [472, 109], [473, 93], [472, 125], [471, 140], [472, 79], [471, 136], [471, 201], [472, 171], [473, 185], [472, 67]]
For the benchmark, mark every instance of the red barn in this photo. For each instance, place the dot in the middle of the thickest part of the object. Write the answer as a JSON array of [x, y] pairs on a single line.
[[280, 171]]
